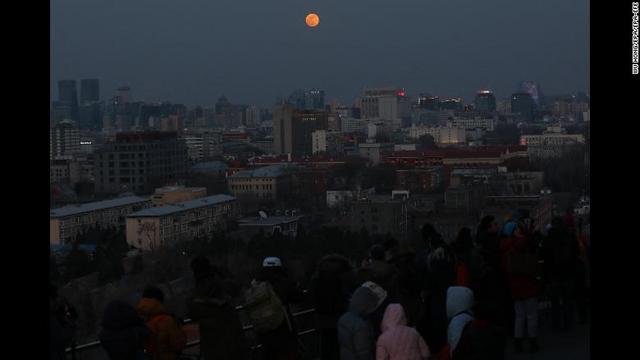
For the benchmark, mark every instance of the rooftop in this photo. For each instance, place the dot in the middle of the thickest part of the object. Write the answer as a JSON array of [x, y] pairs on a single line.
[[168, 189], [265, 171], [210, 166], [183, 206], [76, 209]]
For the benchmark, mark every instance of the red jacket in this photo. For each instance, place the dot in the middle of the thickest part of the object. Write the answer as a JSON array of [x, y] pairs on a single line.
[[522, 287]]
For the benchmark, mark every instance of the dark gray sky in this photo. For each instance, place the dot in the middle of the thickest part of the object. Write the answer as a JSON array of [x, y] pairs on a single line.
[[192, 51]]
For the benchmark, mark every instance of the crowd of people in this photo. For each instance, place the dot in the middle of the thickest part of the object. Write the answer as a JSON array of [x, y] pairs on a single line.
[[466, 299]]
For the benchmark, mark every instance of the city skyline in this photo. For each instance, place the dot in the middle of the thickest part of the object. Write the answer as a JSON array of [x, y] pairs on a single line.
[[350, 101], [193, 53]]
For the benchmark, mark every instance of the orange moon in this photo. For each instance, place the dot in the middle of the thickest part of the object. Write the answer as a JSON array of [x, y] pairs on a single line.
[[312, 20]]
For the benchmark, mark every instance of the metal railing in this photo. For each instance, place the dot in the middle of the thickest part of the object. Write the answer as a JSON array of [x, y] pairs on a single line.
[[95, 344]]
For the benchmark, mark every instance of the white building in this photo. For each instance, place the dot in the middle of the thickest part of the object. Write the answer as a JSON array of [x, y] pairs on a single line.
[[319, 141], [441, 134], [472, 123]]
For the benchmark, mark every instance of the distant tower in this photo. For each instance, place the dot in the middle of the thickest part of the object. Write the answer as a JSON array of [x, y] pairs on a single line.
[[532, 88], [68, 97], [522, 103], [124, 94], [89, 90], [485, 101]]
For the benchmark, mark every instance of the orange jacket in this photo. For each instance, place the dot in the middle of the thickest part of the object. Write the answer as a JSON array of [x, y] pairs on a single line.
[[167, 337]]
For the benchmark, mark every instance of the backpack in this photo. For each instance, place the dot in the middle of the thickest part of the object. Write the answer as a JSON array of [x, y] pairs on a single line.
[[264, 308]]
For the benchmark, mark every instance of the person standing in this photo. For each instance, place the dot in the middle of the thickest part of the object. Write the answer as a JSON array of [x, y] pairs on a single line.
[[210, 306], [399, 341]]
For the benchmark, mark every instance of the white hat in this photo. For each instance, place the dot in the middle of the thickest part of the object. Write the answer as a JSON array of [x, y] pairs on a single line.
[[271, 261]]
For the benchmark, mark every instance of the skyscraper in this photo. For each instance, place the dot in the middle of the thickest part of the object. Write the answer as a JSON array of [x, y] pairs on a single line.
[[68, 97], [124, 95], [522, 103], [532, 88], [307, 99], [89, 90], [292, 129], [485, 101]]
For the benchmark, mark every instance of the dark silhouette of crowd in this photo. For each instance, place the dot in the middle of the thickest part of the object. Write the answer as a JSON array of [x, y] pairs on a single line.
[[469, 298]]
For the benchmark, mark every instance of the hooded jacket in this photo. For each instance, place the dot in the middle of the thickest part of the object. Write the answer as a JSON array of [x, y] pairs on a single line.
[[459, 302], [123, 332], [355, 333], [164, 328], [398, 341]]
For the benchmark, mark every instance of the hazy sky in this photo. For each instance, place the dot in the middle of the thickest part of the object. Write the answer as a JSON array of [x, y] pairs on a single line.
[[193, 51]]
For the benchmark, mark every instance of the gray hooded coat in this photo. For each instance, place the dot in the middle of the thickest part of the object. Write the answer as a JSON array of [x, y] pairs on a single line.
[[355, 333]]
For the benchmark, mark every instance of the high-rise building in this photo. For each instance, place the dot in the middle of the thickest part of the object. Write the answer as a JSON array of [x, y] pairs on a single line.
[[532, 88], [307, 99], [89, 90], [140, 162], [485, 101], [292, 129], [522, 103], [452, 104], [252, 117], [123, 95], [90, 115], [428, 102], [61, 111], [203, 144], [64, 140], [228, 115], [389, 104], [68, 97]]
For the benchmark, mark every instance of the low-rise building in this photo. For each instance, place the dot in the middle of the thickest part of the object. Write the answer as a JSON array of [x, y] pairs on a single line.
[[341, 197], [470, 123], [380, 215], [166, 226], [419, 181], [286, 225], [550, 145], [264, 183], [443, 135], [66, 223], [373, 151]]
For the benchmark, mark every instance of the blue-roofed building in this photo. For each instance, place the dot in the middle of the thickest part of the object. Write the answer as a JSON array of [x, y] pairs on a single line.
[[263, 183], [158, 227], [67, 222]]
